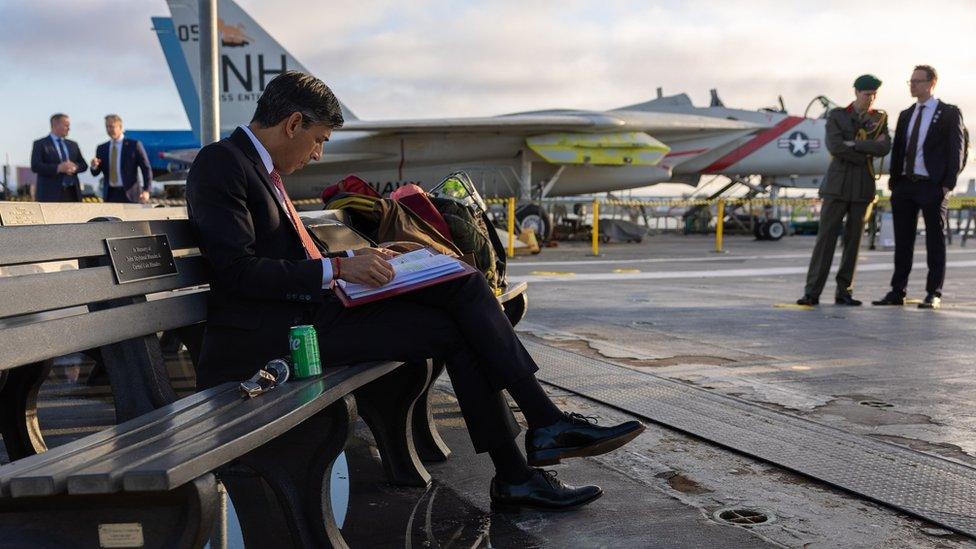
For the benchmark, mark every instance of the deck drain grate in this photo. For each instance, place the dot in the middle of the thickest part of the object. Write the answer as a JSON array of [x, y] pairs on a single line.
[[744, 517]]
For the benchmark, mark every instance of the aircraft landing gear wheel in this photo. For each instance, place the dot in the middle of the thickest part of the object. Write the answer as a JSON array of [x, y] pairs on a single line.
[[757, 229], [774, 229], [535, 217]]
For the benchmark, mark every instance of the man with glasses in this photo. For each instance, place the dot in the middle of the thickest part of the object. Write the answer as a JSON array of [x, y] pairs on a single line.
[[926, 157]]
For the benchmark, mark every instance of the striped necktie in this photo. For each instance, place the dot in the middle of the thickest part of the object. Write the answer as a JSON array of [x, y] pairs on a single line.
[[307, 242]]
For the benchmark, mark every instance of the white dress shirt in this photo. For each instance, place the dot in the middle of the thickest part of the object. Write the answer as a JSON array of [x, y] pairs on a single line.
[[118, 162], [269, 166], [927, 113]]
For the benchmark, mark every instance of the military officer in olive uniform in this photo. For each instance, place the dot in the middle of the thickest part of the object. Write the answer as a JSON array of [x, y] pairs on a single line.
[[856, 136]]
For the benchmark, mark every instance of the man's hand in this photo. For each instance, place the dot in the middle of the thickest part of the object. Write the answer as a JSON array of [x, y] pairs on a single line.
[[67, 167], [384, 253], [144, 197], [369, 269], [95, 163]]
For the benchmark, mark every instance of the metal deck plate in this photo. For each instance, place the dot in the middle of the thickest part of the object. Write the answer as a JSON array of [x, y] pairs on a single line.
[[920, 484]]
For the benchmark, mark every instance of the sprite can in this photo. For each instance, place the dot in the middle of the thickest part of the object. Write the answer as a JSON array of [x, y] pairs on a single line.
[[304, 345]]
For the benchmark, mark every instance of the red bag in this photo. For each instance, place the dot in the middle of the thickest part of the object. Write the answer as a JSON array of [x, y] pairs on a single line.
[[350, 184], [415, 198]]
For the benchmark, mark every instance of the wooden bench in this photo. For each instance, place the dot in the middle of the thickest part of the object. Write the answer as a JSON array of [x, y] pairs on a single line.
[[156, 465], [154, 469]]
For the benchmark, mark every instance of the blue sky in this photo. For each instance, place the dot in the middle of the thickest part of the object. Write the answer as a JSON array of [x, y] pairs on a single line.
[[428, 58]]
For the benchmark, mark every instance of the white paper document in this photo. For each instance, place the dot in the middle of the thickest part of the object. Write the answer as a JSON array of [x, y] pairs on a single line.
[[409, 268]]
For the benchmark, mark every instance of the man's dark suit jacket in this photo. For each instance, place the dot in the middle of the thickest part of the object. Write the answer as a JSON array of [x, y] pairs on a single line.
[[942, 149], [44, 162], [134, 158], [261, 281]]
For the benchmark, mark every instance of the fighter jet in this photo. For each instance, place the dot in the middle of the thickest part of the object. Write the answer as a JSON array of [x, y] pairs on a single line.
[[528, 155]]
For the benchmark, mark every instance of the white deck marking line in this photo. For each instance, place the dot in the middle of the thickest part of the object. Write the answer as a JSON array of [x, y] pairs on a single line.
[[702, 259], [720, 273]]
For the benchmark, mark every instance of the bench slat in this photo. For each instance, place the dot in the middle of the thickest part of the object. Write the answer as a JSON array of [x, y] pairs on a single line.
[[37, 243], [197, 448], [194, 436], [25, 344], [513, 290], [34, 471], [169, 470], [35, 293]]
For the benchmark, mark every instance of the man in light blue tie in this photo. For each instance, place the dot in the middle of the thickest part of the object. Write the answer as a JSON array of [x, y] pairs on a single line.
[[57, 160]]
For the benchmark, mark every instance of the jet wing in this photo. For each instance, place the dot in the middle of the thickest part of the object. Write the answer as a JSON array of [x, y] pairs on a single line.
[[515, 124], [558, 121]]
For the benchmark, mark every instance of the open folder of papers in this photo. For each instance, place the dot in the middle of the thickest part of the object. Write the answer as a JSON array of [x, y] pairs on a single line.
[[412, 271]]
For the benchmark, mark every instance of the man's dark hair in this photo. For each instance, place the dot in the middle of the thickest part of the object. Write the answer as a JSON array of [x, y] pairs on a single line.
[[294, 91], [929, 71], [57, 116]]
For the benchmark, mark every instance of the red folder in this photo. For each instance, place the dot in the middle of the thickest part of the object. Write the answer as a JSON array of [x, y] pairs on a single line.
[[466, 270]]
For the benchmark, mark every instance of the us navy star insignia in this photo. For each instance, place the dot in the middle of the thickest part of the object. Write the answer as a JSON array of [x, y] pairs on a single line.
[[799, 144]]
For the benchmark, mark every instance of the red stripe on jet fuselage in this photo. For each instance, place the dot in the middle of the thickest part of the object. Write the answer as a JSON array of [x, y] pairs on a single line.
[[752, 145]]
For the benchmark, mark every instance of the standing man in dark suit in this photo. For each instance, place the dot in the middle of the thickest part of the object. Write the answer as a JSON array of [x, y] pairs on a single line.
[[855, 136], [268, 275], [57, 161], [120, 160], [926, 158]]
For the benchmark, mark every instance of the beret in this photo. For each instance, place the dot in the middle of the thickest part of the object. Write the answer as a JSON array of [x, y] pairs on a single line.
[[867, 82]]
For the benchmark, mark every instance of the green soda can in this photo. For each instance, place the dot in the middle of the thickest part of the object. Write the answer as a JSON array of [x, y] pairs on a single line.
[[304, 343]]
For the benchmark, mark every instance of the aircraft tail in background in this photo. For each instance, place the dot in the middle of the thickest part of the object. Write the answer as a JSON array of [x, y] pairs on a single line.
[[249, 59]]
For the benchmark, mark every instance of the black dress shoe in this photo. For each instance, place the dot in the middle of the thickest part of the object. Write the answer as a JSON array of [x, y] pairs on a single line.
[[931, 301], [891, 298], [847, 299], [808, 300], [543, 491], [576, 435]]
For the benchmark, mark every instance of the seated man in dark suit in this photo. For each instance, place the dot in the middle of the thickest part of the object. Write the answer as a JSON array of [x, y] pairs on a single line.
[[57, 161], [120, 160], [268, 275]]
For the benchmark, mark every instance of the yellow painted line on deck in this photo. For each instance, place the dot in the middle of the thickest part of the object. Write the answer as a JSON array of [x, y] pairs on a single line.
[[551, 273], [794, 306], [627, 271]]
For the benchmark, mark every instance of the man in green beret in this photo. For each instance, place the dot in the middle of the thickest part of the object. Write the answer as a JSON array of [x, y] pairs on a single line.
[[856, 135]]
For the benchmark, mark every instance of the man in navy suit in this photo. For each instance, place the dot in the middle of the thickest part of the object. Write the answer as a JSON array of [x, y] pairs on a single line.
[[268, 275], [57, 161], [926, 157], [119, 160]]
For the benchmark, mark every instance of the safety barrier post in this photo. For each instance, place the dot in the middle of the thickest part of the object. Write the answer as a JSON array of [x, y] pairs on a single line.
[[720, 225], [511, 227], [596, 228]]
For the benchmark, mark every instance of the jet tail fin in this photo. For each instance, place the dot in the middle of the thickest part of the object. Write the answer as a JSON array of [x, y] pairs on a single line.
[[168, 41], [249, 59]]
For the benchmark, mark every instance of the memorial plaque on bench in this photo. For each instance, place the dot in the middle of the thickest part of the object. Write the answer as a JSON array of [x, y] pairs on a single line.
[[136, 258], [17, 213]]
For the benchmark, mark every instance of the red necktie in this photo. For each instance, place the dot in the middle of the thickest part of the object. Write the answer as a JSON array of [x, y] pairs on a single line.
[[307, 242]]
